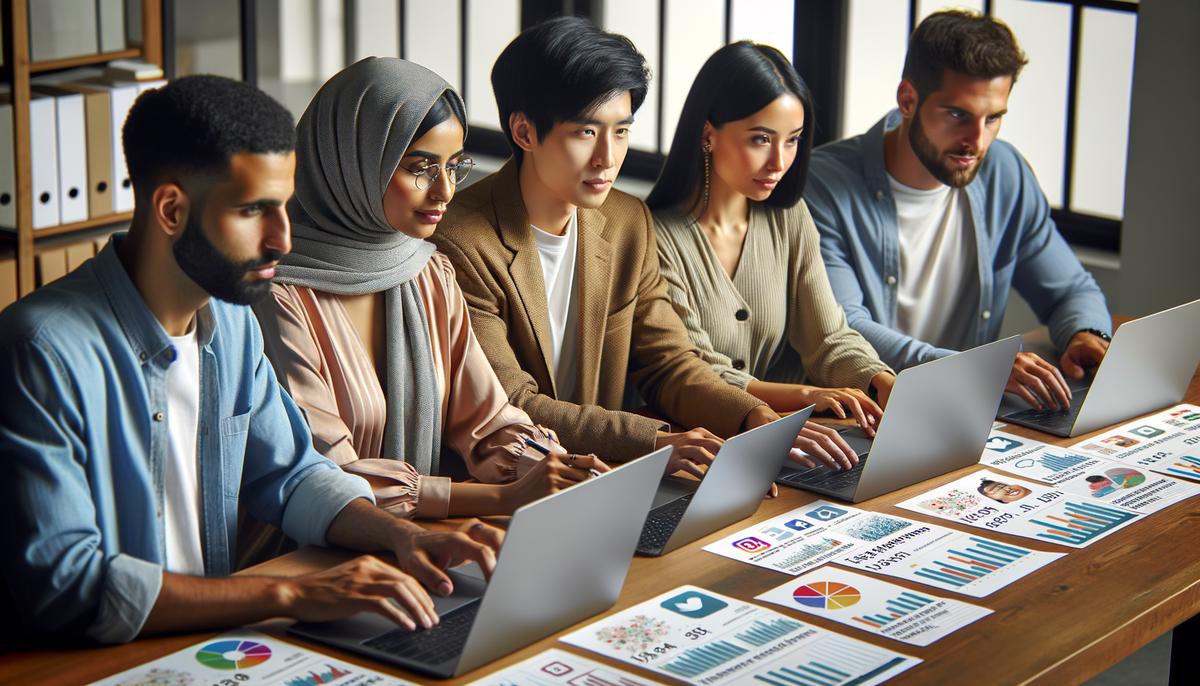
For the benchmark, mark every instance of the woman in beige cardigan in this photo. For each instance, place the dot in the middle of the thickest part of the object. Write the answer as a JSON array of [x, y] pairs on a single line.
[[740, 252]]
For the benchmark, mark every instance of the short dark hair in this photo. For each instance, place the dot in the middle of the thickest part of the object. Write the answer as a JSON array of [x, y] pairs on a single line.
[[443, 108], [964, 42], [734, 83], [985, 484], [562, 68], [193, 126]]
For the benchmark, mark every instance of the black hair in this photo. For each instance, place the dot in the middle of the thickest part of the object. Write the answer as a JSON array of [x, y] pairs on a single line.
[[562, 68], [984, 484], [734, 83], [193, 126], [443, 108], [963, 42]]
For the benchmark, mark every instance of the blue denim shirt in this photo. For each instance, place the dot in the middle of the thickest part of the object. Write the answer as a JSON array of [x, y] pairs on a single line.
[[83, 444], [1017, 244]]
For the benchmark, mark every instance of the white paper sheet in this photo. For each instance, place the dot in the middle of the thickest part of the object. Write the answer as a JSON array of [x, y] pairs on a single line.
[[700, 637], [875, 606], [821, 532], [249, 658]]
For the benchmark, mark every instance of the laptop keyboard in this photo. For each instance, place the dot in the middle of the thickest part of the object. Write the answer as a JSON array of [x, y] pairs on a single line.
[[1059, 421], [822, 477], [429, 646], [660, 524]]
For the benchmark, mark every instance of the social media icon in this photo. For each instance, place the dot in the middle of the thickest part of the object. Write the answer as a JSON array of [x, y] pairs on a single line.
[[777, 534], [557, 669], [825, 513], [798, 525], [1147, 431], [693, 604], [999, 444], [751, 544]]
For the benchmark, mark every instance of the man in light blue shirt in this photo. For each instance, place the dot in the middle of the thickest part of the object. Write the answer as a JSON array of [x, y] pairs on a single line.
[[106, 451], [927, 220]]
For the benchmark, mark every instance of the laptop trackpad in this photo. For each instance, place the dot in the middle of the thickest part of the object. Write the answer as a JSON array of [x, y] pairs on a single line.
[[857, 440], [469, 586]]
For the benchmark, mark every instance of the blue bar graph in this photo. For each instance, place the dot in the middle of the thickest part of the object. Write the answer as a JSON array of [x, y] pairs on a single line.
[[1186, 466], [761, 633], [961, 567], [1081, 522], [1058, 463], [833, 661], [696, 661], [906, 603]]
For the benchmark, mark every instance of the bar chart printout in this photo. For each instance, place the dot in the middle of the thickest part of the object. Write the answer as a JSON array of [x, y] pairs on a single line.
[[875, 606], [838, 664], [700, 637], [959, 567]]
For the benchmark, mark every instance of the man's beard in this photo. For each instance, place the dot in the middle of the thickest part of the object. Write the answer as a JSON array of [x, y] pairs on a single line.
[[932, 158], [219, 276]]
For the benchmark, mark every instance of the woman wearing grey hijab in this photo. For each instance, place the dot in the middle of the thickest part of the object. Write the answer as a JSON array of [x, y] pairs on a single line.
[[366, 326]]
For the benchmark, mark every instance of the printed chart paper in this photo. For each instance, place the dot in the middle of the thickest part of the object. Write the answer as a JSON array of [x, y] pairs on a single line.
[[821, 532], [555, 667], [876, 606], [1002, 503], [1098, 479], [1033, 459], [252, 659], [704, 638], [1167, 443]]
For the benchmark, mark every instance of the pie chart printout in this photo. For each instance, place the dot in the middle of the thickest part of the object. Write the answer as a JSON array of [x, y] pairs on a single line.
[[826, 595]]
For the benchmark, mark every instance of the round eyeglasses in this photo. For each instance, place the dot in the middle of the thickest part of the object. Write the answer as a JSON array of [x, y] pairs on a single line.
[[425, 173]]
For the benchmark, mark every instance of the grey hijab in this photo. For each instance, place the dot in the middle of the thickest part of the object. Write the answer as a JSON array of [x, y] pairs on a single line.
[[349, 143]]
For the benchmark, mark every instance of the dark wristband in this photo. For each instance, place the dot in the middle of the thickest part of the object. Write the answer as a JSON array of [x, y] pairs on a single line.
[[1098, 333]]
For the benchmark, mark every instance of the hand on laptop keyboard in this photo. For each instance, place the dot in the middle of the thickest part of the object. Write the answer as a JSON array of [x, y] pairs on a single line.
[[822, 444], [364, 584], [1038, 383]]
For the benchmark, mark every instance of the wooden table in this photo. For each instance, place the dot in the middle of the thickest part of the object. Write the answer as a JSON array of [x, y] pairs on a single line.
[[1061, 625]]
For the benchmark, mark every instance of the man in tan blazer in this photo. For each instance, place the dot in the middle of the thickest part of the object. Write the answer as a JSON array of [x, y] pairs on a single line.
[[562, 275]]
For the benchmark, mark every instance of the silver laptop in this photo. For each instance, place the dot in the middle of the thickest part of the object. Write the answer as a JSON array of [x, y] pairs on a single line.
[[937, 420], [736, 481], [1149, 365], [564, 559]]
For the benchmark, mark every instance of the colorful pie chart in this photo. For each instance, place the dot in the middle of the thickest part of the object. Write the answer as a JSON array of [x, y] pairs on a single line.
[[233, 654], [826, 595]]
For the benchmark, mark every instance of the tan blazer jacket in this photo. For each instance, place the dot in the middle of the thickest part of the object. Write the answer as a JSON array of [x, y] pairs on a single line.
[[627, 326]]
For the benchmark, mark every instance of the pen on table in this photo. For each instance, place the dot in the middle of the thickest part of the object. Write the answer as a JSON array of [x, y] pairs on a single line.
[[547, 452]]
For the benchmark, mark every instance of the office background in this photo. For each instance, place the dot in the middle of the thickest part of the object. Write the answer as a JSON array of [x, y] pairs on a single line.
[[1103, 112]]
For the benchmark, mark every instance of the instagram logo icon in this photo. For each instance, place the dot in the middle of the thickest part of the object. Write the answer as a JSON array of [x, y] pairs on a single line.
[[751, 544]]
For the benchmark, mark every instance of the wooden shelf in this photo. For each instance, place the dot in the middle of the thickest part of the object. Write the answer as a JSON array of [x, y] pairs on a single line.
[[83, 60], [106, 220]]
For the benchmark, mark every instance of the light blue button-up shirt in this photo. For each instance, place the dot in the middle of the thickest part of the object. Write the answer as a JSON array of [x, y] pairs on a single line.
[[1017, 243], [83, 445]]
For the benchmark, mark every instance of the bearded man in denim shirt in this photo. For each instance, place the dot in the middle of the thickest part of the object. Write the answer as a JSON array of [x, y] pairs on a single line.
[[927, 221], [139, 411]]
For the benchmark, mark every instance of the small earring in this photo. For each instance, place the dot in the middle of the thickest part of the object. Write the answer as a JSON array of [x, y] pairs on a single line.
[[707, 175]]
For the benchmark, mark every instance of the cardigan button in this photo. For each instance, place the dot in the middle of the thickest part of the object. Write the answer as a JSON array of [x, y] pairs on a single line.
[[891, 280], [159, 416], [742, 315], [879, 195], [986, 315]]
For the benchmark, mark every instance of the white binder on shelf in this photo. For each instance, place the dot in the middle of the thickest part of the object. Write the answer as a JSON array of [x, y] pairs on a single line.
[[111, 20], [43, 163], [72, 153], [8, 176], [120, 97], [62, 28]]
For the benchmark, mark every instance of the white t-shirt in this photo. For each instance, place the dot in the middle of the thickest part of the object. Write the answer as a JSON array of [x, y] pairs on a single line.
[[938, 290], [181, 483], [557, 254]]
